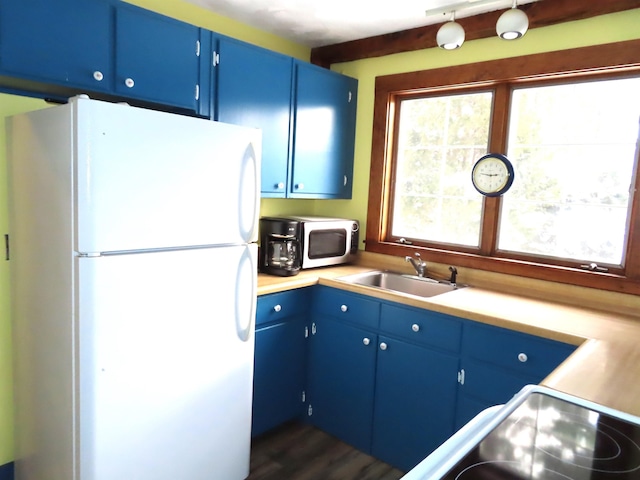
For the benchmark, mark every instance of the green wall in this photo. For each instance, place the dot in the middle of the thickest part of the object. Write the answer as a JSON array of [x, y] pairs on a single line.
[[605, 29]]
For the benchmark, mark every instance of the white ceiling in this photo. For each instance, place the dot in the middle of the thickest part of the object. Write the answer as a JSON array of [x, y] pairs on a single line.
[[325, 22]]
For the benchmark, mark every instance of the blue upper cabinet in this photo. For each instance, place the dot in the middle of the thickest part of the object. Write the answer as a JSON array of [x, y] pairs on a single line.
[[69, 46], [254, 89], [157, 58], [325, 117], [116, 51]]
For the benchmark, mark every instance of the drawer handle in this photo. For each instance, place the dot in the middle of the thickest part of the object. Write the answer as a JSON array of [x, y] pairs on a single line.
[[523, 357], [366, 341], [383, 346], [98, 76], [277, 308], [415, 327], [344, 308]]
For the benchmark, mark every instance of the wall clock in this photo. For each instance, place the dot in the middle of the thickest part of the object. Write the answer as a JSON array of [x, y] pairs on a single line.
[[492, 175]]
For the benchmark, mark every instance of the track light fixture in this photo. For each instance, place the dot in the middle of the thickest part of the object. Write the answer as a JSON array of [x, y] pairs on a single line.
[[450, 35], [513, 23]]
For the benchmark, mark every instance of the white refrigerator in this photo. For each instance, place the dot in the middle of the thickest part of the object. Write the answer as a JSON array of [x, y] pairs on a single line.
[[133, 260]]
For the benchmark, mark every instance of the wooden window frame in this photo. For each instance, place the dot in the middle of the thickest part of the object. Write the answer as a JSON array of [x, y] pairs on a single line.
[[615, 59]]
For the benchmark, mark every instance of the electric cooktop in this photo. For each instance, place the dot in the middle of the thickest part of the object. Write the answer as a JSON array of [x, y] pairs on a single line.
[[541, 435], [552, 439]]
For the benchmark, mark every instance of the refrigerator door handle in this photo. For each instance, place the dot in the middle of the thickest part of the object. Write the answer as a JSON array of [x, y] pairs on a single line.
[[246, 276], [250, 168]]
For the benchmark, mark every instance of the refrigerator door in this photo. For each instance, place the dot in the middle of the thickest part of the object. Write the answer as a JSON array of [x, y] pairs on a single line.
[[166, 363], [148, 179]]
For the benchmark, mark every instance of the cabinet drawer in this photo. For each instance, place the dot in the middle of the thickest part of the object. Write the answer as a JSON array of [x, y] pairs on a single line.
[[421, 326], [346, 306], [513, 351], [277, 306]]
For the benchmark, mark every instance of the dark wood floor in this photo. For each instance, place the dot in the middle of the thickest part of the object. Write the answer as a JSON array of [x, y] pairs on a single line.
[[300, 452]]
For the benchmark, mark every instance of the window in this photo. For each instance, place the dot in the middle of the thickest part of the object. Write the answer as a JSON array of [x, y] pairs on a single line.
[[568, 121], [439, 139], [574, 147]]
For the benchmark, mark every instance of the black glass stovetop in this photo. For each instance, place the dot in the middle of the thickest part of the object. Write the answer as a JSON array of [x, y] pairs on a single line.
[[547, 438]]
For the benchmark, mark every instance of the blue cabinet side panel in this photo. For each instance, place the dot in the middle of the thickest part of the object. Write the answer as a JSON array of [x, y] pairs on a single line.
[[6, 471]]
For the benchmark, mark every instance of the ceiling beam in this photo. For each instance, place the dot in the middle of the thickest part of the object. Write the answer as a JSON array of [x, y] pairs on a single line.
[[541, 14]]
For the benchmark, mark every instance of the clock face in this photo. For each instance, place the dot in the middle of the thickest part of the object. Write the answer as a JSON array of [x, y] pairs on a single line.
[[492, 175]]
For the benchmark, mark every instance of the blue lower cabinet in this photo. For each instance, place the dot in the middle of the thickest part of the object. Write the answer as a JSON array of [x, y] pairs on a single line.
[[415, 401], [280, 359], [6, 471], [341, 380], [279, 375], [496, 363]]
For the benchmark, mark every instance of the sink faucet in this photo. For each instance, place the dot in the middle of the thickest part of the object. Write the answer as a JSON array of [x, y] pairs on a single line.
[[418, 264], [454, 275]]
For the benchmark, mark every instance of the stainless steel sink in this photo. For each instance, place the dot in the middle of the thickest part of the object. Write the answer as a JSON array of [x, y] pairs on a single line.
[[398, 282]]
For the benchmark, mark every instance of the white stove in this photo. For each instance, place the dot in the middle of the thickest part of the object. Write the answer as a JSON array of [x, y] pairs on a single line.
[[540, 434]]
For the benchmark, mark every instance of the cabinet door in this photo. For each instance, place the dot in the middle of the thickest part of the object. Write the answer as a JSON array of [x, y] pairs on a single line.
[[341, 381], [325, 109], [254, 90], [157, 58], [279, 374], [415, 401], [497, 363], [67, 44]]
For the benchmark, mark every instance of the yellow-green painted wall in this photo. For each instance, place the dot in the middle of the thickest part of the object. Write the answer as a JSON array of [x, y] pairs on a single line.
[[599, 30], [605, 29]]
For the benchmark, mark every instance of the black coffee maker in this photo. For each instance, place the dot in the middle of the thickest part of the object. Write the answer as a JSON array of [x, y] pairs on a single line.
[[280, 248]]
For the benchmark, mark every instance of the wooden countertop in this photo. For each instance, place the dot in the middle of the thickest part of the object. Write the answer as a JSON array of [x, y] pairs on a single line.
[[605, 368]]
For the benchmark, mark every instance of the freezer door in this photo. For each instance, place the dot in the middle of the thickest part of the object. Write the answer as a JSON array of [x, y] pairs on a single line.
[[148, 179], [166, 364]]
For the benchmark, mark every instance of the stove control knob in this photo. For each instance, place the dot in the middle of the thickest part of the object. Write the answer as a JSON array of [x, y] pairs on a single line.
[[523, 357]]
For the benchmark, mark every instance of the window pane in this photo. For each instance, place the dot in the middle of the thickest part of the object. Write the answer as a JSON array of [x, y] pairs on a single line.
[[573, 148], [439, 140]]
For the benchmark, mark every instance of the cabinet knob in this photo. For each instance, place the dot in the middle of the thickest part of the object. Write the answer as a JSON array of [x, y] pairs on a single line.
[[97, 75], [277, 308], [300, 186], [415, 327], [383, 346], [344, 308], [523, 357], [129, 82], [366, 341], [280, 186]]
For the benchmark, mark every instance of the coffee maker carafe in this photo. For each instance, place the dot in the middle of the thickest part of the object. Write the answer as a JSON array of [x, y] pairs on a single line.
[[280, 247]]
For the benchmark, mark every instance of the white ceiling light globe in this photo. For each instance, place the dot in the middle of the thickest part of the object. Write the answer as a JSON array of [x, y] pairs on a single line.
[[512, 24], [450, 36]]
